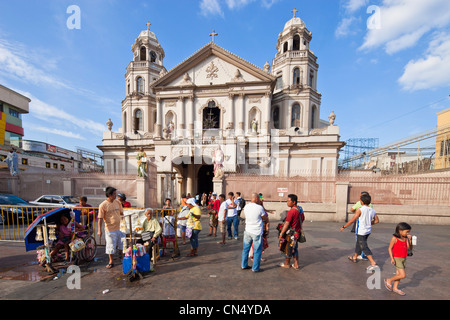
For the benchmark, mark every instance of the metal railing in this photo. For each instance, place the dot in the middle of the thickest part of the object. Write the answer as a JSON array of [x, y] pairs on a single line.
[[14, 220]]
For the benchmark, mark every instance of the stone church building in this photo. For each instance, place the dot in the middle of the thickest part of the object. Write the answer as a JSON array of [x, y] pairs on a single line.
[[215, 113]]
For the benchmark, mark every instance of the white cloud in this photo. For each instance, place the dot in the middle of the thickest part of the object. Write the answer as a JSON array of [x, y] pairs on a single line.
[[403, 23], [210, 7], [15, 61], [46, 112], [407, 24], [431, 71], [344, 27], [19, 62], [63, 133], [352, 6], [214, 7]]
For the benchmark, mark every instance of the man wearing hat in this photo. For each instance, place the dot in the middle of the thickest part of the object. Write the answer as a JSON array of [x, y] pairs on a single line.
[[194, 220]]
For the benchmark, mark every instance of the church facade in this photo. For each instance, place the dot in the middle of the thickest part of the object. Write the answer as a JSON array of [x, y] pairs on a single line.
[[215, 113]]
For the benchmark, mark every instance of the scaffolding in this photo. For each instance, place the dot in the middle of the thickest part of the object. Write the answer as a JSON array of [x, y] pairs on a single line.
[[91, 161], [353, 153], [360, 151]]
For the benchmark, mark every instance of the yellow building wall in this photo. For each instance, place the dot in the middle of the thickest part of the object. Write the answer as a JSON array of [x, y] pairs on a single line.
[[443, 140]]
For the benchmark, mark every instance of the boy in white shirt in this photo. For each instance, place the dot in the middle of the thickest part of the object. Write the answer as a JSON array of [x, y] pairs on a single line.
[[365, 217], [222, 217]]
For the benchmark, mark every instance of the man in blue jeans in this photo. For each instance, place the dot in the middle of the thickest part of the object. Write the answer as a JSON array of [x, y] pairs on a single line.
[[254, 217], [232, 216]]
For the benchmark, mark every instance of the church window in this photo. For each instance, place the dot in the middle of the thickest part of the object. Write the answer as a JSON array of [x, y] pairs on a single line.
[[279, 84], [140, 85], [296, 43], [276, 117], [152, 56], [311, 79], [313, 117], [211, 116], [285, 47], [295, 116], [296, 79], [138, 123], [143, 53]]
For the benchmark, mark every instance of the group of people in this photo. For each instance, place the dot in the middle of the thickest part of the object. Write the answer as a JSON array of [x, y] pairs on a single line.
[[225, 213]]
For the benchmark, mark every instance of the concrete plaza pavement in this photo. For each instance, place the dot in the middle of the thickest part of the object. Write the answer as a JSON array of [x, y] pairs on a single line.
[[215, 274]]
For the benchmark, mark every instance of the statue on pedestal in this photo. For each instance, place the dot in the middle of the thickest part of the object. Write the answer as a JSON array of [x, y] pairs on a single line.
[[142, 163], [218, 157], [332, 117]]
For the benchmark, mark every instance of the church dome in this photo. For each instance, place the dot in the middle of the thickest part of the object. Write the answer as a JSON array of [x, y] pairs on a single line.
[[148, 34]]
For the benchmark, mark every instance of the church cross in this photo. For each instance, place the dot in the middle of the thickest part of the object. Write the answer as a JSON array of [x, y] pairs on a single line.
[[294, 11], [148, 25], [213, 34]]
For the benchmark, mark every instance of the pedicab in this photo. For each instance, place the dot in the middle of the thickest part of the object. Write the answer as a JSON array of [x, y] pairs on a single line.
[[41, 235]]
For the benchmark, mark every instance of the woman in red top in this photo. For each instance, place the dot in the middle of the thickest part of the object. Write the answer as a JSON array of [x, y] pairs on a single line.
[[398, 251], [122, 200]]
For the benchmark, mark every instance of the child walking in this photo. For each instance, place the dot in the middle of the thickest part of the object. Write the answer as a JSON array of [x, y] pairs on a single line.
[[398, 251], [365, 218]]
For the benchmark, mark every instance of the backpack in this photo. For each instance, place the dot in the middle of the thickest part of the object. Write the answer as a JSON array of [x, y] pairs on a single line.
[[242, 203]]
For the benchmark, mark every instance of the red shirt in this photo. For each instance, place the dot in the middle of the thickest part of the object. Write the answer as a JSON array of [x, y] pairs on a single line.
[[126, 204], [399, 249], [216, 206], [293, 219]]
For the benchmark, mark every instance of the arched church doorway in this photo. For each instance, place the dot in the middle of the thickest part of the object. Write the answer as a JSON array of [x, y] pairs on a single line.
[[204, 179]]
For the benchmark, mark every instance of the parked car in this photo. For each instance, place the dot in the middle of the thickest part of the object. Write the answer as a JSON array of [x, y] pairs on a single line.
[[56, 201], [16, 210]]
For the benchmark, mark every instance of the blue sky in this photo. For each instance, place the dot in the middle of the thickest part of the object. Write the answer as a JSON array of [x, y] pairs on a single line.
[[387, 81]]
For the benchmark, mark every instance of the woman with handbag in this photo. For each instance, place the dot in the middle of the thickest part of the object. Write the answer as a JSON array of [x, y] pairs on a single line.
[[291, 233]]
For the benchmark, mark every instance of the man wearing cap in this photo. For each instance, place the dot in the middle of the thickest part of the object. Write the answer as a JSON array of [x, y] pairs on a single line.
[[194, 220], [213, 215]]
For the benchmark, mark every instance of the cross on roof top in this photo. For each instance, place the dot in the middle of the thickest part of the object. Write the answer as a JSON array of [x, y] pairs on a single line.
[[294, 11], [213, 34], [148, 25]]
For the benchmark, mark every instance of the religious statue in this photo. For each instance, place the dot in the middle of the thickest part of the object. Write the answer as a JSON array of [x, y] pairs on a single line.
[[109, 124], [142, 163], [12, 160], [218, 162], [254, 126], [332, 117], [171, 127]]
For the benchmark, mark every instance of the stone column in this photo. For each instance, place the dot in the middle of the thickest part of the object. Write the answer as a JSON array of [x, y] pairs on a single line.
[[341, 200], [159, 112], [232, 111], [268, 114], [242, 113], [191, 117], [190, 179], [218, 185], [142, 200], [181, 121]]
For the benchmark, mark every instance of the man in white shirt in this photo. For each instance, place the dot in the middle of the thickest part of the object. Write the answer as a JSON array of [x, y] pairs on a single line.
[[232, 217], [253, 234], [222, 217]]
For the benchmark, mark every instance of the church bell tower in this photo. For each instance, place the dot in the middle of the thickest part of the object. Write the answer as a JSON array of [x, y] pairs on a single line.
[[139, 106], [296, 102]]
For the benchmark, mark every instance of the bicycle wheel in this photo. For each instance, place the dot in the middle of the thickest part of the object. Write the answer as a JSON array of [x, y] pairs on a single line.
[[90, 249]]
